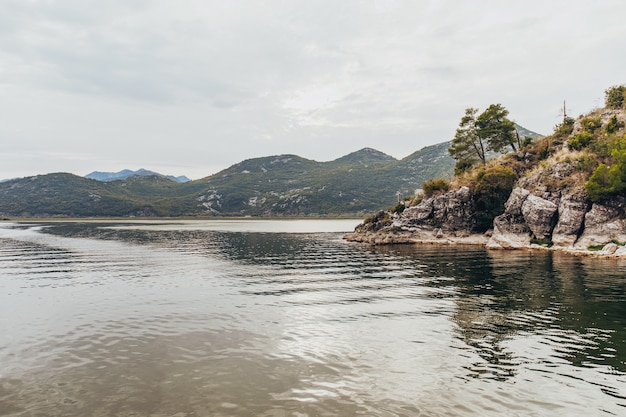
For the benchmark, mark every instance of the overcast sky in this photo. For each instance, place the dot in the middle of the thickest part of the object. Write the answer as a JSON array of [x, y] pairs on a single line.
[[189, 87]]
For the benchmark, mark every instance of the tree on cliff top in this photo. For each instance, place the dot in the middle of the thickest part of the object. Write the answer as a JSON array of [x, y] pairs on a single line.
[[496, 129], [467, 146], [491, 130]]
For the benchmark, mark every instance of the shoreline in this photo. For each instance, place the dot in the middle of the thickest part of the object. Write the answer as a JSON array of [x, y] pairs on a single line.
[[171, 219], [383, 238]]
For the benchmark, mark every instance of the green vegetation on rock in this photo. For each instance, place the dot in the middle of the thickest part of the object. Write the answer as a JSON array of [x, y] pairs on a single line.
[[433, 186], [476, 135], [608, 181], [492, 189], [615, 97]]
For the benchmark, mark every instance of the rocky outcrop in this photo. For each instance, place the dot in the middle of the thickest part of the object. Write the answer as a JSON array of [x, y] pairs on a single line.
[[537, 212], [603, 224], [563, 220], [540, 216], [548, 207], [449, 212], [572, 210], [510, 230], [566, 225], [446, 218]]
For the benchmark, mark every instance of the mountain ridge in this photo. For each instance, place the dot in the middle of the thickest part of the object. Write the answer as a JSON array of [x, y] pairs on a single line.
[[279, 185], [125, 173]]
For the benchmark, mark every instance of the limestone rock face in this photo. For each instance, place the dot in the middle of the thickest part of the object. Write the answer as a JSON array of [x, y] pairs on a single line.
[[450, 211], [560, 215], [572, 210], [515, 201], [603, 223], [508, 234], [417, 214], [509, 229], [540, 216]]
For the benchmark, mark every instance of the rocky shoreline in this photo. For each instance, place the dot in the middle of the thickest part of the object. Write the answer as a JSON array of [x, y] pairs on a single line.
[[611, 250], [561, 221], [409, 237], [549, 195]]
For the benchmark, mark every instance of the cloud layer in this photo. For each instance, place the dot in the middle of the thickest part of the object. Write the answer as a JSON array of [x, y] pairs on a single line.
[[190, 87]]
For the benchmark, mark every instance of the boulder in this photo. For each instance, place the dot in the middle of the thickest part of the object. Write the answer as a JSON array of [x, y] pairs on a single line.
[[609, 249], [416, 214], [509, 229], [513, 205], [603, 223], [572, 210], [450, 211], [508, 233], [540, 216], [621, 251]]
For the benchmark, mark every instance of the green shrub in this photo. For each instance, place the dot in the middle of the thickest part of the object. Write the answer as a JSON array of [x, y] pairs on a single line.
[[591, 124], [587, 163], [600, 185], [613, 125], [378, 220], [601, 246], [607, 181], [398, 208], [527, 141], [601, 147], [580, 140], [462, 165], [433, 186], [615, 97], [542, 242], [565, 128], [492, 189], [544, 151]]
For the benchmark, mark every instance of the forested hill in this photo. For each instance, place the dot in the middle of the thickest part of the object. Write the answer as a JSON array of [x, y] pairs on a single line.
[[283, 185]]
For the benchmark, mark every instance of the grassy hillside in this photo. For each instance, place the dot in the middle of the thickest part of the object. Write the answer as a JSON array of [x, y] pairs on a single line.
[[283, 185]]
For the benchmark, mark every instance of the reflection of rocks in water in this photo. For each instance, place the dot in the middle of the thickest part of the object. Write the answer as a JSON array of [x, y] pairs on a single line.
[[545, 294]]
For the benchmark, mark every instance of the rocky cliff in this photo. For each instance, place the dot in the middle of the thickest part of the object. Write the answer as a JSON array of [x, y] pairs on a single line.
[[547, 207], [532, 219]]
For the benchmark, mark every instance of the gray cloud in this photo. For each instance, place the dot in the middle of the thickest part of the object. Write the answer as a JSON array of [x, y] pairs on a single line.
[[196, 86]]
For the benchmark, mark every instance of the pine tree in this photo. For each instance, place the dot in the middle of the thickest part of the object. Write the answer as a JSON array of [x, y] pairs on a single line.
[[467, 146], [495, 129]]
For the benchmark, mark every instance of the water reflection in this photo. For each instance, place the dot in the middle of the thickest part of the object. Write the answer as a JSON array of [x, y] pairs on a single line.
[[114, 320], [498, 294], [575, 305]]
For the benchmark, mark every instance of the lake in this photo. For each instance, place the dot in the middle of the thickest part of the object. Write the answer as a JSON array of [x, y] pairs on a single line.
[[284, 318]]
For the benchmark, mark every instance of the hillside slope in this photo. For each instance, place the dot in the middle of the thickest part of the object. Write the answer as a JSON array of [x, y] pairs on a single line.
[[282, 185]]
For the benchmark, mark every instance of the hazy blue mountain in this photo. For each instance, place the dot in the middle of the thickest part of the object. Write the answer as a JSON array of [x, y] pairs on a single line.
[[121, 175]]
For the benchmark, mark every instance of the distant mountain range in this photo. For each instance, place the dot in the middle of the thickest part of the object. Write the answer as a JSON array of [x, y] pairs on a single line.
[[282, 185], [122, 175]]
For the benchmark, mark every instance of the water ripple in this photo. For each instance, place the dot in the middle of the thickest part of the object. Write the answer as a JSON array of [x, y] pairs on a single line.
[[103, 319]]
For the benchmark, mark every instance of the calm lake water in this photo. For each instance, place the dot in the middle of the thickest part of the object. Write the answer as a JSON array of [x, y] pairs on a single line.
[[284, 318]]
